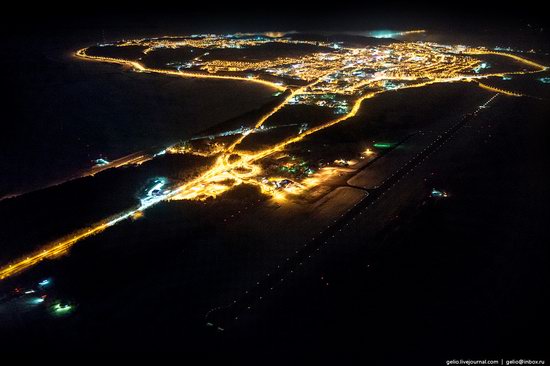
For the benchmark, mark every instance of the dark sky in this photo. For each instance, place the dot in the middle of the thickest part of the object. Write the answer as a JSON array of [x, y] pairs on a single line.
[[268, 15]]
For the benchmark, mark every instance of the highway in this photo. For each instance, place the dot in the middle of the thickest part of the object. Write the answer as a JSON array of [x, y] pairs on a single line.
[[61, 246]]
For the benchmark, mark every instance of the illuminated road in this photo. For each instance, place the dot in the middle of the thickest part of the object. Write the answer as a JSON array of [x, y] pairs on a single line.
[[140, 68], [61, 246], [238, 167], [497, 90]]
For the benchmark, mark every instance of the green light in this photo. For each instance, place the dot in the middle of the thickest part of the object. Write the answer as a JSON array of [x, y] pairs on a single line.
[[383, 34], [62, 309], [383, 145]]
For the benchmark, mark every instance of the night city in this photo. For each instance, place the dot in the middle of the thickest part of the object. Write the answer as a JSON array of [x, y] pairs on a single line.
[[359, 185]]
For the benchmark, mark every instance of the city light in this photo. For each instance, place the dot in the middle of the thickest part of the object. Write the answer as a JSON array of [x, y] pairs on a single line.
[[45, 282], [62, 309], [339, 80], [101, 162], [36, 301]]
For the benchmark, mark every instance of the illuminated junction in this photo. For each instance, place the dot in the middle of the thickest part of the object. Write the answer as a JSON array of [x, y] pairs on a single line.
[[331, 75]]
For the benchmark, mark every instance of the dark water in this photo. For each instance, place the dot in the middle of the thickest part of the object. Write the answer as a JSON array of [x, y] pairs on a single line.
[[61, 113]]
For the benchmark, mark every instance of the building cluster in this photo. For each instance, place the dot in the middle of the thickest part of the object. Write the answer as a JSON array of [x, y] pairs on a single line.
[[338, 69]]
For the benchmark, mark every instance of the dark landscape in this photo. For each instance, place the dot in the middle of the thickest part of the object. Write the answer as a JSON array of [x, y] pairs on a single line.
[[265, 195]]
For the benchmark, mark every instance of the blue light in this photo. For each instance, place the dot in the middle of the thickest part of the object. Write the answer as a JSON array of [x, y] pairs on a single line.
[[155, 193], [101, 162], [383, 34], [45, 282], [483, 65], [36, 301], [439, 194]]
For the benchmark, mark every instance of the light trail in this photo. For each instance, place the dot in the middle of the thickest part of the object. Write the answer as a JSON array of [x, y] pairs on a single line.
[[232, 167]]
